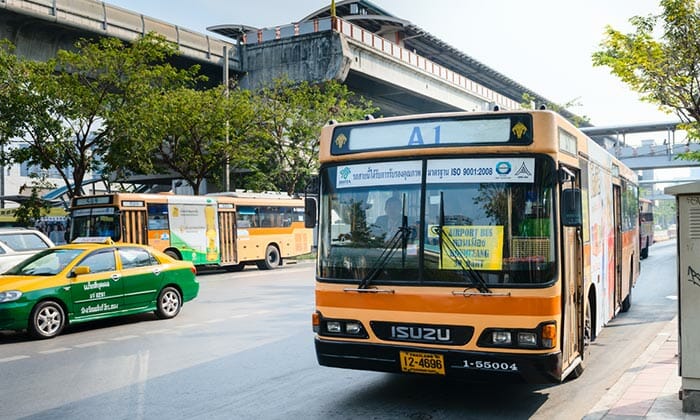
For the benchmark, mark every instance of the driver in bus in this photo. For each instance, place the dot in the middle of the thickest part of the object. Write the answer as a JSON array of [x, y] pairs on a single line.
[[388, 223]]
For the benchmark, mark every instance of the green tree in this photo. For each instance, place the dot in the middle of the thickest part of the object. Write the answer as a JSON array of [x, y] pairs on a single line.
[[65, 113], [660, 60], [187, 130], [528, 102], [291, 117]]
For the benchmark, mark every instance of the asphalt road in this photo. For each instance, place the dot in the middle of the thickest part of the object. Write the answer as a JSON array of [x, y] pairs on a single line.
[[244, 349]]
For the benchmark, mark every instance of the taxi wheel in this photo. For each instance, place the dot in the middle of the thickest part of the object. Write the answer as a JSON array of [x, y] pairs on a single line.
[[169, 303], [47, 320]]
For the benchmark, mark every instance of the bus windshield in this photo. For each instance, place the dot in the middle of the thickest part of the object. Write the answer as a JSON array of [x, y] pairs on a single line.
[[497, 214], [102, 221]]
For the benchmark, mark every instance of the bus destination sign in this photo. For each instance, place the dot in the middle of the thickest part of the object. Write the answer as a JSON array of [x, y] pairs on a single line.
[[410, 134]]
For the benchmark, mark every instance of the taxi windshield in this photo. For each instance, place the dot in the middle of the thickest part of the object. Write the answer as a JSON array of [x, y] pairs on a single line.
[[46, 263]]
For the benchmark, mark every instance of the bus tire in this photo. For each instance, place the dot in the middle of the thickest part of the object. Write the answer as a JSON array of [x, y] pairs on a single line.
[[47, 320], [627, 302], [588, 331], [234, 268], [169, 303], [172, 254], [644, 253], [272, 259]]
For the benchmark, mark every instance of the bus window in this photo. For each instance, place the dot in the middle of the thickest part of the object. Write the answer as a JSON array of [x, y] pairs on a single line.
[[157, 216]]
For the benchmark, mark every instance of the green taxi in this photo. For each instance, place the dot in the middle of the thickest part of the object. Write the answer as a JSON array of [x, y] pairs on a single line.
[[85, 281]]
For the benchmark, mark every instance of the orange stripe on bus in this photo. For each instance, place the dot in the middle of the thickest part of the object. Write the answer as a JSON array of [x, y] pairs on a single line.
[[443, 303]]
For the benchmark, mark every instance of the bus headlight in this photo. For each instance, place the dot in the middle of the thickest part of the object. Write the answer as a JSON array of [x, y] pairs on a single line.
[[544, 336], [501, 338], [334, 327], [348, 328], [527, 339]]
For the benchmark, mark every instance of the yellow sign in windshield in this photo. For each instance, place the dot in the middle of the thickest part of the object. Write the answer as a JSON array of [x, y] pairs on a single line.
[[482, 246]]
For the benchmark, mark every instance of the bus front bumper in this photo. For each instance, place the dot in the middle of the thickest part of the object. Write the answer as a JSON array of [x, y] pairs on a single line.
[[533, 368]]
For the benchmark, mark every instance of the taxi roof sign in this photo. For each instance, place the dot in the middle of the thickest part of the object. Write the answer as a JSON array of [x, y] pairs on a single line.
[[105, 240]]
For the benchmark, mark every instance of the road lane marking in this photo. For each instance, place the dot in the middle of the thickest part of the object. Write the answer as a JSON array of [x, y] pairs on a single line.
[[215, 320], [124, 337], [262, 311], [239, 316], [163, 331], [90, 344], [13, 358], [187, 326], [56, 350]]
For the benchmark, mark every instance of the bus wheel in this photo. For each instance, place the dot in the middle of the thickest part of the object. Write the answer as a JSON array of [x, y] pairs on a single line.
[[169, 303], [47, 320], [172, 254], [644, 253], [627, 302], [587, 338], [272, 258], [234, 268]]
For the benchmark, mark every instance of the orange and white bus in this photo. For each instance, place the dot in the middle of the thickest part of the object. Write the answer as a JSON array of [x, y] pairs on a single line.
[[517, 242], [227, 229], [646, 226]]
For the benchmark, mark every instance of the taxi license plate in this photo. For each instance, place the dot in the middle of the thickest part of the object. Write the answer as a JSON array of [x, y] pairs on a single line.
[[422, 363]]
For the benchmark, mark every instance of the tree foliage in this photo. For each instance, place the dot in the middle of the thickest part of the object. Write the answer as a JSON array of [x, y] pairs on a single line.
[[290, 120], [528, 102], [63, 113], [660, 60], [193, 132]]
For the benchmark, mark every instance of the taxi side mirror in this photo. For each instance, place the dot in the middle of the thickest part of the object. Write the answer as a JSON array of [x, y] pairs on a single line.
[[80, 270]]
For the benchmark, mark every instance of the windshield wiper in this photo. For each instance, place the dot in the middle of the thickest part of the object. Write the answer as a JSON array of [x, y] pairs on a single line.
[[399, 239], [468, 273]]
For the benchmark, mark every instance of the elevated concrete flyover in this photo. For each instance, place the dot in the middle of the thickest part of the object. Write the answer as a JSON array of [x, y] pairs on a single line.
[[39, 28], [394, 78]]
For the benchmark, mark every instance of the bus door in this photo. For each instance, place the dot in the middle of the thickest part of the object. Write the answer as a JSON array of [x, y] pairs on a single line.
[[617, 252], [133, 226], [572, 284], [227, 235]]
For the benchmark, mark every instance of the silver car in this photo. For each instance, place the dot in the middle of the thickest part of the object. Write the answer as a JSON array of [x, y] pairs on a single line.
[[16, 244]]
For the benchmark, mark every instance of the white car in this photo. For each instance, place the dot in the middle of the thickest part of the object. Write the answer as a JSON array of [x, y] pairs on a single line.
[[17, 244]]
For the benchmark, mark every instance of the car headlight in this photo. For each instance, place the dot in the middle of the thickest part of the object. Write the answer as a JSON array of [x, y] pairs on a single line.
[[10, 295]]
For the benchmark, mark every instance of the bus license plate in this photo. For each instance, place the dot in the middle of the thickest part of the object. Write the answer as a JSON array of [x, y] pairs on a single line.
[[422, 363]]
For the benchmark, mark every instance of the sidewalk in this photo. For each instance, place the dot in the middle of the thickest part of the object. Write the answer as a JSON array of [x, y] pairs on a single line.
[[649, 388]]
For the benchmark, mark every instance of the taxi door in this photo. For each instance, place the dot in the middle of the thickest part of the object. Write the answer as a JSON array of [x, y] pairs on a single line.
[[141, 276], [100, 291]]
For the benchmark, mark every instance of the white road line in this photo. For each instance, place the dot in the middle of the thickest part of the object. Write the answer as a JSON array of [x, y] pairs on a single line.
[[90, 344], [13, 358], [239, 316], [215, 320], [261, 312], [187, 326], [124, 337], [56, 350], [163, 331]]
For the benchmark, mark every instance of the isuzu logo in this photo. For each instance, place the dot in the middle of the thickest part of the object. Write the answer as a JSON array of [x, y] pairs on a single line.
[[422, 333]]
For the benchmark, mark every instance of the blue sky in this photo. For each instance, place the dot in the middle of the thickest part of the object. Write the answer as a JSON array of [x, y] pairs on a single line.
[[545, 45]]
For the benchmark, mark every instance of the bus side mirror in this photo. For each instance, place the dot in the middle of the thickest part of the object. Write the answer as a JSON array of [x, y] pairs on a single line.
[[310, 212], [571, 214]]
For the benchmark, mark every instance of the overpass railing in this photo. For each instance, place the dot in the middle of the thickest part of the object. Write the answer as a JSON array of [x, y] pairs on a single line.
[[382, 45], [102, 18]]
